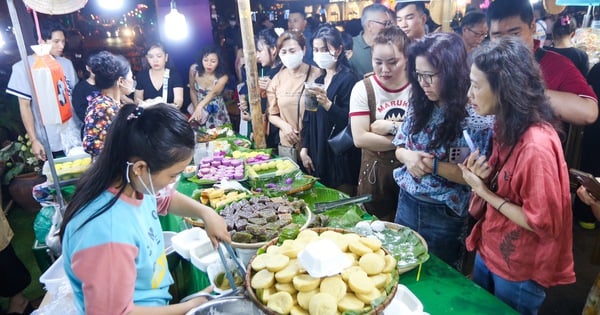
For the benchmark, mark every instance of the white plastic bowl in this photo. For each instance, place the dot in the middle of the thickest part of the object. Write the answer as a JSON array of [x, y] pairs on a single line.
[[204, 254], [54, 276], [323, 258], [404, 302], [185, 240], [216, 268]]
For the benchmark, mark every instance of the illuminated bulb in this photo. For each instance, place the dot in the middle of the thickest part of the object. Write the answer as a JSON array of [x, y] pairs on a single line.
[[110, 4], [175, 25]]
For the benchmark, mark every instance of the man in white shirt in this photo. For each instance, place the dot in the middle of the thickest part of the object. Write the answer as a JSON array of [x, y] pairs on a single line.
[[18, 85]]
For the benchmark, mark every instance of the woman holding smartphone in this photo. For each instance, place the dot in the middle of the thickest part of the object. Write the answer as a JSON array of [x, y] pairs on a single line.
[[524, 242], [433, 198]]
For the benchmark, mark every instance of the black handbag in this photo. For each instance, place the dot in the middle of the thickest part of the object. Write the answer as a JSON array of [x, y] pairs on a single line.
[[342, 141]]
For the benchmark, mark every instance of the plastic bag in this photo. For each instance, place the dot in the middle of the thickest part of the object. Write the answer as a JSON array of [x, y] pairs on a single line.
[[61, 301], [43, 223], [52, 239], [70, 136]]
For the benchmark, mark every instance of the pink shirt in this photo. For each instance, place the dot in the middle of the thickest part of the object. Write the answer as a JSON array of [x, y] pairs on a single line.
[[536, 178]]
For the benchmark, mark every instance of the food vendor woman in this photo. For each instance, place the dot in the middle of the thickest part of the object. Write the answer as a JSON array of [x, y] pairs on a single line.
[[113, 245]]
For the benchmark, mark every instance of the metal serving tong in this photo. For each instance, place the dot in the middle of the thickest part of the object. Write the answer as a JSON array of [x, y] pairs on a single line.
[[322, 206], [226, 265], [235, 290]]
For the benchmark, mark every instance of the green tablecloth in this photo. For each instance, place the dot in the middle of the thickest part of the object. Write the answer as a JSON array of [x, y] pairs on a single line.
[[443, 290]]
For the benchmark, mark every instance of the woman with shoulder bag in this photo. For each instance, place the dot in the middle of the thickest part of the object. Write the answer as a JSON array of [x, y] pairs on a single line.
[[285, 92], [377, 108], [339, 171]]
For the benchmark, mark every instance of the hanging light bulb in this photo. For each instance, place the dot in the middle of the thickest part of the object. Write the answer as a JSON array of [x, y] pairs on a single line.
[[175, 25], [110, 5]]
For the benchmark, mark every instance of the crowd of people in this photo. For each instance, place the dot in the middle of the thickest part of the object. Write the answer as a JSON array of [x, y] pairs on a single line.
[[440, 121]]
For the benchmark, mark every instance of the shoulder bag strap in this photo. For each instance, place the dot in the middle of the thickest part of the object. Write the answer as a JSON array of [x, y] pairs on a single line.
[[301, 92], [370, 97], [165, 89]]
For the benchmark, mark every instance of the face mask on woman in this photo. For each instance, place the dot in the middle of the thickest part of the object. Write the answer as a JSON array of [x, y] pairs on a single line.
[[324, 59], [292, 61]]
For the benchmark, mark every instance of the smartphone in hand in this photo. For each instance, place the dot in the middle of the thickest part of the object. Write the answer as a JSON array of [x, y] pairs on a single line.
[[588, 181]]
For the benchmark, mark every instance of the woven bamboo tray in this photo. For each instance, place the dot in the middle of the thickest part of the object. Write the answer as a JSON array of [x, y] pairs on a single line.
[[258, 245], [396, 227], [252, 294]]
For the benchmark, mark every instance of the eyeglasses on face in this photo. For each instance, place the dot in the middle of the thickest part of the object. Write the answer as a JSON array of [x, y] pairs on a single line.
[[425, 77], [385, 24], [478, 34]]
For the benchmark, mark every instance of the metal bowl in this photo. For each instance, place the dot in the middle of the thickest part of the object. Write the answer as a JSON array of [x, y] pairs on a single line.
[[235, 305]]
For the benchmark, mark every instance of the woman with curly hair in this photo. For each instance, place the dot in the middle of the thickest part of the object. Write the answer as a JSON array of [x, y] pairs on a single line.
[[433, 198], [207, 80], [524, 242], [114, 79]]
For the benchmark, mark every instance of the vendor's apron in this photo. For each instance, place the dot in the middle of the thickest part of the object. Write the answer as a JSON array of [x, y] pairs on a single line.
[[376, 178]]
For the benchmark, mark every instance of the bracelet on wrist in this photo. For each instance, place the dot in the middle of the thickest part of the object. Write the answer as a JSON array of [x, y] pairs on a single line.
[[435, 167], [501, 205]]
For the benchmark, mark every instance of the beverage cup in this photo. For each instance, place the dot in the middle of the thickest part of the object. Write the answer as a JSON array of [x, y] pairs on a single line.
[[310, 99]]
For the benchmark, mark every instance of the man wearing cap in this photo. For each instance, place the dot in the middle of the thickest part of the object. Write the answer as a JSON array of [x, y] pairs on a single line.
[[374, 18], [18, 85], [411, 18]]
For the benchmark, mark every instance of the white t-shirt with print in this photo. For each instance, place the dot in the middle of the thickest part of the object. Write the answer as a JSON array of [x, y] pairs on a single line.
[[389, 104]]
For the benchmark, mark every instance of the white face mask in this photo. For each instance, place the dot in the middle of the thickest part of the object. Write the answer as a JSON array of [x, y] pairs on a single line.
[[292, 61], [324, 60]]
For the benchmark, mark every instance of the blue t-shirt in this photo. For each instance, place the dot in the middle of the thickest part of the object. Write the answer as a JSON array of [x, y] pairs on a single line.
[[437, 188], [117, 259]]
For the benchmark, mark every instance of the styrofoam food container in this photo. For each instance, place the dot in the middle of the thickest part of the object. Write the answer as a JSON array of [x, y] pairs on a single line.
[[54, 276], [404, 302], [323, 258], [168, 237], [204, 254], [185, 240], [216, 268]]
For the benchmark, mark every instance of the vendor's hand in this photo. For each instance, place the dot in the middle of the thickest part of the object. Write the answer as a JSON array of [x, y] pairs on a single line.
[[476, 183], [291, 135], [199, 300], [416, 163], [587, 198], [478, 165], [307, 161], [38, 150], [381, 127], [215, 227]]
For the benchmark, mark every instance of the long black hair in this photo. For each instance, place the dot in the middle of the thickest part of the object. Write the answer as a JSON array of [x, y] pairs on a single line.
[[331, 36], [517, 82], [159, 135], [445, 52]]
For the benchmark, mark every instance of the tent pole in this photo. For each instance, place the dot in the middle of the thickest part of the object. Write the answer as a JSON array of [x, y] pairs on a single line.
[[245, 14], [35, 100]]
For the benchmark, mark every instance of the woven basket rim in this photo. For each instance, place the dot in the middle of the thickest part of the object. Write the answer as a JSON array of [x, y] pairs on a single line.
[[252, 294]]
